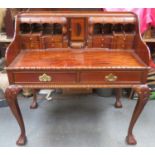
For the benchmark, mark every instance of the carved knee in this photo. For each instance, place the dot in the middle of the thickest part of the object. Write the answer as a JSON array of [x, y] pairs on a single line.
[[12, 91]]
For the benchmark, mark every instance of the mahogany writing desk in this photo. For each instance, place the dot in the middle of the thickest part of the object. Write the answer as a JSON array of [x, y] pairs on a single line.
[[77, 50]]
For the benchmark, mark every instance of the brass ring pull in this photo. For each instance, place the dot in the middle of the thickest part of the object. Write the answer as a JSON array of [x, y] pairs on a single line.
[[45, 78], [111, 77]]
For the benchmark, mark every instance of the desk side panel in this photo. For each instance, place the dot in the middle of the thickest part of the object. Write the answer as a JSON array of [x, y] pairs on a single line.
[[14, 48]]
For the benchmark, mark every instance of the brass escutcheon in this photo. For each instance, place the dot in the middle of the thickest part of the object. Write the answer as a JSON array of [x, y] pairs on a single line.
[[45, 78], [111, 77]]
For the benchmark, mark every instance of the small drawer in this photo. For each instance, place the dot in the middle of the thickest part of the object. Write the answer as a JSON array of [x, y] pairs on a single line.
[[97, 44], [30, 38], [97, 39], [123, 41], [118, 41], [111, 77], [30, 45], [30, 42], [35, 45], [45, 77], [102, 41], [53, 45], [52, 38], [129, 41], [57, 38]]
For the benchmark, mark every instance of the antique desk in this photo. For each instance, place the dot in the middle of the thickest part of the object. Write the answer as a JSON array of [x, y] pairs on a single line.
[[77, 50]]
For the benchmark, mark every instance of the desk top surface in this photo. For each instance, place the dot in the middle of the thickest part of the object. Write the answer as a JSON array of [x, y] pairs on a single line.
[[75, 59]]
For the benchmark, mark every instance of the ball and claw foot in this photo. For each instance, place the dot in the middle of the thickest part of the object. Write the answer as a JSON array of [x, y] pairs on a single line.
[[118, 104], [21, 140], [130, 139], [34, 105]]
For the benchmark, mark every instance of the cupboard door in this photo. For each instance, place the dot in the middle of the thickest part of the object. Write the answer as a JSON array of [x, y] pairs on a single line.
[[77, 29]]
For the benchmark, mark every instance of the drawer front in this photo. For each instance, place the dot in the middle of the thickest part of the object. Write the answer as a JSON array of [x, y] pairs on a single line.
[[54, 38], [129, 41], [53, 45], [97, 42], [57, 38], [52, 41], [45, 77], [35, 45], [123, 41], [97, 38], [30, 42], [102, 42], [107, 41], [118, 41], [30, 45], [111, 77]]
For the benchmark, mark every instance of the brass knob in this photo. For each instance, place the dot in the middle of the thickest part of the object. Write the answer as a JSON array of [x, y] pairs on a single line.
[[45, 78], [111, 77]]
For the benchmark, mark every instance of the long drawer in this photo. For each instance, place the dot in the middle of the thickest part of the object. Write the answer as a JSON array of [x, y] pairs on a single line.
[[111, 77], [45, 77]]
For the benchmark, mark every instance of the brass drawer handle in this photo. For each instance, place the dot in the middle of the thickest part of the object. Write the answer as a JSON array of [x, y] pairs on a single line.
[[45, 78], [111, 77]]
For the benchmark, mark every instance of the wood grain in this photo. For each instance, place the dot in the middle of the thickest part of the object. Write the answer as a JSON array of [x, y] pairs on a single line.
[[64, 59]]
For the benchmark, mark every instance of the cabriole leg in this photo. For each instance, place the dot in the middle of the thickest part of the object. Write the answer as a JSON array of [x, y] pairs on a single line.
[[143, 92], [34, 104], [11, 97], [118, 103]]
